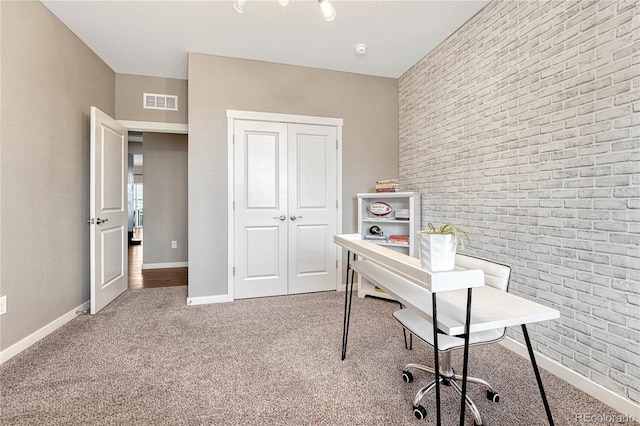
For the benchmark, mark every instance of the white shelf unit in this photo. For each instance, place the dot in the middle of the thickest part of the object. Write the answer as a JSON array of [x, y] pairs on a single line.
[[389, 226]]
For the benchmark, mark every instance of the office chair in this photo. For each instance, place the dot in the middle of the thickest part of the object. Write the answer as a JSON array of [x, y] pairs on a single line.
[[495, 275]]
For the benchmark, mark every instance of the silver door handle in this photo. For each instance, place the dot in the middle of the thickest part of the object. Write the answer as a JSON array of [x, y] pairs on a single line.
[[294, 217], [99, 221], [281, 217]]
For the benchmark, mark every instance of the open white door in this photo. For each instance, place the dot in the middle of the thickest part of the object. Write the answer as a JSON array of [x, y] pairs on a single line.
[[108, 209]]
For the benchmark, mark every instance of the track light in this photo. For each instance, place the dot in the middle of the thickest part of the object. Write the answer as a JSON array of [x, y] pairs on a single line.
[[238, 5], [328, 11]]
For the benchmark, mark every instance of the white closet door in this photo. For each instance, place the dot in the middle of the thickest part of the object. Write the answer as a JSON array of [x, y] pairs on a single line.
[[312, 208], [260, 163]]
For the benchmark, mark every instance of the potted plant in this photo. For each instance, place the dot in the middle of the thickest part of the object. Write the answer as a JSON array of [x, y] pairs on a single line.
[[438, 246]]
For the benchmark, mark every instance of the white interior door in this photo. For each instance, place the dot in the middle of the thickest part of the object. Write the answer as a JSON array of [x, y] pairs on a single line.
[[260, 193], [312, 208], [108, 209], [285, 216]]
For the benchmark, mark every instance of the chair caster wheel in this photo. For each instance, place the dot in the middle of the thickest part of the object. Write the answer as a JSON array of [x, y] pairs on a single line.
[[420, 412], [407, 376], [493, 396]]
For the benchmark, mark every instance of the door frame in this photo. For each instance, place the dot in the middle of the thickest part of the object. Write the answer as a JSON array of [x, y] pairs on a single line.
[[233, 115]]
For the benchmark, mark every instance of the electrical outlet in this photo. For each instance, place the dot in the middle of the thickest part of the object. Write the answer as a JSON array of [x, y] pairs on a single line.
[[174, 244], [3, 305]]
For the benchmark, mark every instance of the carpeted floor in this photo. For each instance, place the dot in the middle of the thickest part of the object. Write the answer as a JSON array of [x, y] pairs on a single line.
[[148, 359]]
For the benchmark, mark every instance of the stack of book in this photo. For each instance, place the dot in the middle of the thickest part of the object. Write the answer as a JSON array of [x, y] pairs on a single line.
[[399, 239], [389, 185], [379, 238]]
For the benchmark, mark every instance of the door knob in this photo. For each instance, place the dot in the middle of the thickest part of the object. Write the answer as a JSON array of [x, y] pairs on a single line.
[[281, 217], [294, 217], [99, 221]]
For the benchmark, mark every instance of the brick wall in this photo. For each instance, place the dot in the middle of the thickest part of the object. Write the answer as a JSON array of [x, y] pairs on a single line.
[[524, 127]]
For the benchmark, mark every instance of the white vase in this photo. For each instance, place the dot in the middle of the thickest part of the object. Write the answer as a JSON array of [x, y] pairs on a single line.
[[437, 251]]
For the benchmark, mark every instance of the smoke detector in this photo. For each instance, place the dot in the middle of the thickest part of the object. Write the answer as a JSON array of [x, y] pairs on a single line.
[[360, 49]]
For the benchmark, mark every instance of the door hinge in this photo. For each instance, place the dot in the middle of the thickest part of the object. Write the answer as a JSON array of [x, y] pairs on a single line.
[[336, 204], [234, 271], [234, 205], [336, 144], [336, 264]]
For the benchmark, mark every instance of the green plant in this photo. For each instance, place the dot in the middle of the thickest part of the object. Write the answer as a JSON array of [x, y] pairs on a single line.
[[458, 232]]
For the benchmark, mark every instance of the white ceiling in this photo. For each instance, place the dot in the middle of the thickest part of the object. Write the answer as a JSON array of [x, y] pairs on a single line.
[[153, 37]]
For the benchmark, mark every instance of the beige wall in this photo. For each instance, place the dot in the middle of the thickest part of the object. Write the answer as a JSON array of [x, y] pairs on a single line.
[[49, 81], [129, 92], [165, 197], [368, 105]]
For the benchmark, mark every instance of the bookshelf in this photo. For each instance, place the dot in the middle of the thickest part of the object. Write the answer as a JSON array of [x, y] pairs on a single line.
[[403, 220]]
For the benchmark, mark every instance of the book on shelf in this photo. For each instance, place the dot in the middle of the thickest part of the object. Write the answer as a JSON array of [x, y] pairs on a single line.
[[389, 185], [399, 239], [372, 237]]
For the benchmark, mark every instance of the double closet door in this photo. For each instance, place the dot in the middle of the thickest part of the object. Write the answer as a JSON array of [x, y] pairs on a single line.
[[285, 213]]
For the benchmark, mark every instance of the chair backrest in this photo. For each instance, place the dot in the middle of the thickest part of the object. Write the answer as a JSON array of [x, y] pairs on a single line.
[[495, 274]]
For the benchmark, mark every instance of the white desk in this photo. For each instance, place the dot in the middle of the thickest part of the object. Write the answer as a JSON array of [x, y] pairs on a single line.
[[403, 278], [490, 309]]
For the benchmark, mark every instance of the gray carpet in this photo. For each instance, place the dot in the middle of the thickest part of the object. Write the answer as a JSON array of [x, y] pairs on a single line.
[[147, 359]]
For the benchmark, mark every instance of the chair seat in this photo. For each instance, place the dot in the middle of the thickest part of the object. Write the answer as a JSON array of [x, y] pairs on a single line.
[[422, 328]]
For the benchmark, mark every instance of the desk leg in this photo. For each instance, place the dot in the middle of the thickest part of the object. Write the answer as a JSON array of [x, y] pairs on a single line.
[[537, 373], [436, 356], [466, 358], [348, 297]]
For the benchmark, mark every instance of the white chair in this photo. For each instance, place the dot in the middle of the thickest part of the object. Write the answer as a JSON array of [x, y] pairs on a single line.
[[496, 275]]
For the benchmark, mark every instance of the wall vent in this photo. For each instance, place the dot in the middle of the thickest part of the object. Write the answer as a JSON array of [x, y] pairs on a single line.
[[157, 101]]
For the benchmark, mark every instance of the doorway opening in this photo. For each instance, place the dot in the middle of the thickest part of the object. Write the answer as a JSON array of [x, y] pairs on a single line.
[[157, 178]]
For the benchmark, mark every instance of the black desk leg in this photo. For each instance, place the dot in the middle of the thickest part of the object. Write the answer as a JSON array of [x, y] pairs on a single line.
[[466, 358], [537, 373], [348, 296], [436, 356]]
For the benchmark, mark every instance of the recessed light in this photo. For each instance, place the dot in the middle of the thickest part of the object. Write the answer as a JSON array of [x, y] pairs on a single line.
[[360, 49]]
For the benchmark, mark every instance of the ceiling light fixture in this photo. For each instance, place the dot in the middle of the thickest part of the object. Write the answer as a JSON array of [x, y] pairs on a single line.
[[238, 5], [328, 11]]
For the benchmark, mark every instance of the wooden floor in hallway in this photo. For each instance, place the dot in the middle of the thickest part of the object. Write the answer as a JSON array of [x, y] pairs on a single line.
[[152, 278]]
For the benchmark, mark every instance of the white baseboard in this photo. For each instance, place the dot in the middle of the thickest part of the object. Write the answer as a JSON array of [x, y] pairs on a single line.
[[205, 300], [612, 399], [23, 344], [165, 265]]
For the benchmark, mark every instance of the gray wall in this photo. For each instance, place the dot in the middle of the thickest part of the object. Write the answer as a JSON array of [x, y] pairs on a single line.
[[49, 81], [368, 105], [165, 198], [523, 126], [129, 91]]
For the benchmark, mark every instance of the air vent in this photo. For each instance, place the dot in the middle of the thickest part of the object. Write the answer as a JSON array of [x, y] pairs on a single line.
[[156, 101]]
